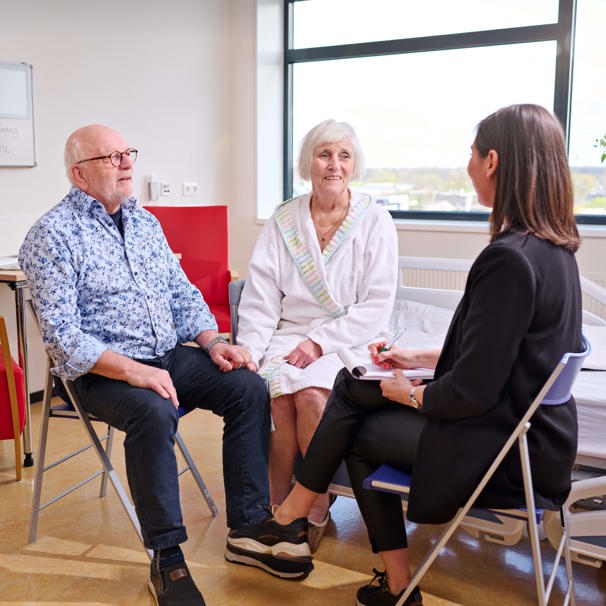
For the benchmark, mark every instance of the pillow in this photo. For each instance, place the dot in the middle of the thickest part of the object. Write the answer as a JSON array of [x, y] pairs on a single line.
[[426, 325], [596, 335]]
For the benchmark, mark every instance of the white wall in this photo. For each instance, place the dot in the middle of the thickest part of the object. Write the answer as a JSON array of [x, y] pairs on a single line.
[[161, 72]]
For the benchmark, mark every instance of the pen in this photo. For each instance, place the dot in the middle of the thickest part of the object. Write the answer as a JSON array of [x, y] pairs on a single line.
[[393, 340]]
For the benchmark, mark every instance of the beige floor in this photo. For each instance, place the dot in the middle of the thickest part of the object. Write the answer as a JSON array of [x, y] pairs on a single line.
[[87, 553]]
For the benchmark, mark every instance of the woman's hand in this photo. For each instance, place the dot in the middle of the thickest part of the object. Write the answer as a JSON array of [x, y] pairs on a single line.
[[398, 357], [398, 389], [304, 354]]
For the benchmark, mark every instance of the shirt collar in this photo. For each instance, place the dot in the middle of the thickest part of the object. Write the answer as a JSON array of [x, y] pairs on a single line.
[[85, 202]]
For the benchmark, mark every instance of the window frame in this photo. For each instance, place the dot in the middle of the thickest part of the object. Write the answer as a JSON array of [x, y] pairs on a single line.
[[562, 32]]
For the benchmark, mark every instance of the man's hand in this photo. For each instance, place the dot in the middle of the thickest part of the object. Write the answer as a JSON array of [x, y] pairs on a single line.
[[116, 366], [154, 378], [229, 357]]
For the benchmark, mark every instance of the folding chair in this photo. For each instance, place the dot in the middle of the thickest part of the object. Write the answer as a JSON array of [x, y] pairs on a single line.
[[555, 391], [71, 408]]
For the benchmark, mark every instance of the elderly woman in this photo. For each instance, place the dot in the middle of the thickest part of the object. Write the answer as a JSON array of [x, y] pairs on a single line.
[[322, 277], [520, 312]]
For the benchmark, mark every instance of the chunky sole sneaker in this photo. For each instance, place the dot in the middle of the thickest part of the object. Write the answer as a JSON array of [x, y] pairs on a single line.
[[173, 586], [379, 594], [284, 568], [280, 549]]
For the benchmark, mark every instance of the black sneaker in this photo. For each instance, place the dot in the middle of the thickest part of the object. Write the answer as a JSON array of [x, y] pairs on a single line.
[[379, 595], [280, 549], [173, 586]]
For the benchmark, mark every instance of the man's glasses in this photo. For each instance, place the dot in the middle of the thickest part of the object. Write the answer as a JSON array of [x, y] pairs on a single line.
[[115, 157]]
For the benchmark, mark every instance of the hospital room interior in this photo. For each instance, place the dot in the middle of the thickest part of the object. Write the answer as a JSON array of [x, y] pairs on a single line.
[[215, 98]]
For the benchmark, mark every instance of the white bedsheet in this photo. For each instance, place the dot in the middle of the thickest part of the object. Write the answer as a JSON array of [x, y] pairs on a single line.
[[589, 391]]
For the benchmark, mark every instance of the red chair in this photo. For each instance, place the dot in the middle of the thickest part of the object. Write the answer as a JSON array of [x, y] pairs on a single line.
[[12, 397], [200, 235]]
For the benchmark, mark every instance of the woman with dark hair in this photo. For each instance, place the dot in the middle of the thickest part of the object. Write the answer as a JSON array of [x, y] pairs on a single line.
[[520, 312]]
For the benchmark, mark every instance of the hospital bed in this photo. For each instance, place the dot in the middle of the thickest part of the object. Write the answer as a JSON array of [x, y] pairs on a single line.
[[429, 290]]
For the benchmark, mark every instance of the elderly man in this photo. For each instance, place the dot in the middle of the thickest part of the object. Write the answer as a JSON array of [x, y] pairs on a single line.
[[115, 309]]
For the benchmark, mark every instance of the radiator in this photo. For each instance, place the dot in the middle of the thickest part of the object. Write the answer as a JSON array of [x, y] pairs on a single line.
[[444, 279]]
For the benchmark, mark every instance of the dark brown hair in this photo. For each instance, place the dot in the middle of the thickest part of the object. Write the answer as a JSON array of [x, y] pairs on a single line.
[[533, 182]]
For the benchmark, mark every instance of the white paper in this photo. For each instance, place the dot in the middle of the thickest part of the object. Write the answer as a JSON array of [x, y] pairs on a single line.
[[367, 371]]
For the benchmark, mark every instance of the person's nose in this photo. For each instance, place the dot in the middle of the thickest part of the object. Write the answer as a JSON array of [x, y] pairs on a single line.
[[126, 162]]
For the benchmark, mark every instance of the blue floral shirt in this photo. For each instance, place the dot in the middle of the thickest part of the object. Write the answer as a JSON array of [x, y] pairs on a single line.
[[93, 289]]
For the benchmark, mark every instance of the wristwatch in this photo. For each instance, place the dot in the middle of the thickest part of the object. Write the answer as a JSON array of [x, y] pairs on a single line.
[[413, 401], [213, 342]]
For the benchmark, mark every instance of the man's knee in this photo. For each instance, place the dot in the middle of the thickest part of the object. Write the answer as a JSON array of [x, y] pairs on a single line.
[[150, 410], [247, 390]]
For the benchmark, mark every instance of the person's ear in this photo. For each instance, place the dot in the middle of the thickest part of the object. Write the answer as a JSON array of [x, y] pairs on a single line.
[[491, 162], [79, 177]]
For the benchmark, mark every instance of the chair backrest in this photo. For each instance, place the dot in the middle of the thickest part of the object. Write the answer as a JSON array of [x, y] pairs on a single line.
[[572, 363], [200, 234], [235, 292]]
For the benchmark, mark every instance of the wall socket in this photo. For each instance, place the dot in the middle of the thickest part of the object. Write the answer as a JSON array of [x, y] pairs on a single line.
[[190, 188], [165, 188]]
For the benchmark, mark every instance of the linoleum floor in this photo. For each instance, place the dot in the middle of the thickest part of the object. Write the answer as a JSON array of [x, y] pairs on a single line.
[[87, 553]]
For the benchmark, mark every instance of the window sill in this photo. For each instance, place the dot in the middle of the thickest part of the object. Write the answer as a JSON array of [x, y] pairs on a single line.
[[478, 227]]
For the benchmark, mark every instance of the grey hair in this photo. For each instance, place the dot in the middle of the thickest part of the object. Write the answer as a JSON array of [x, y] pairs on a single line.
[[71, 155], [329, 131], [74, 148]]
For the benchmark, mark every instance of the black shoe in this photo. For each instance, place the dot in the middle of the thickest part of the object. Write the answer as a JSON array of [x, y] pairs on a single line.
[[280, 549], [379, 595], [173, 586]]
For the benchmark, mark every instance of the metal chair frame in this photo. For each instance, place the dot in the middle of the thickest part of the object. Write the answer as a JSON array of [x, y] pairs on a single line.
[[73, 410]]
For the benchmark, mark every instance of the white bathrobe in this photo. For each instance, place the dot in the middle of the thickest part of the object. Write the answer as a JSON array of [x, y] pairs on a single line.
[[340, 297]]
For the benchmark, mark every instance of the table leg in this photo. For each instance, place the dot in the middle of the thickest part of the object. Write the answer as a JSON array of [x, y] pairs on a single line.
[[22, 346]]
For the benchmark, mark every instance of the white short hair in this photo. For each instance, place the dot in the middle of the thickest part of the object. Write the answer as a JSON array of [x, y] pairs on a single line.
[[329, 131]]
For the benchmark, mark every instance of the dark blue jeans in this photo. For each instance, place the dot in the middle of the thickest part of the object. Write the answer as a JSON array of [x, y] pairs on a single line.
[[150, 423]]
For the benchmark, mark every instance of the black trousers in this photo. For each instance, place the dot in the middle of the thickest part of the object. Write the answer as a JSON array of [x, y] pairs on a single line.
[[366, 430]]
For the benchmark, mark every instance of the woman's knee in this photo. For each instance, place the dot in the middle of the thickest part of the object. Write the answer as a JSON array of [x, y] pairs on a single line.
[[282, 405], [311, 398]]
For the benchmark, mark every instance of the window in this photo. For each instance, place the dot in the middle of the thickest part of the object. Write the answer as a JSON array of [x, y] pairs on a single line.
[[414, 78]]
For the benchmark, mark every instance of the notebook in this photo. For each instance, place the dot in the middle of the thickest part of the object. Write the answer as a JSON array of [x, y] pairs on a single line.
[[365, 370]]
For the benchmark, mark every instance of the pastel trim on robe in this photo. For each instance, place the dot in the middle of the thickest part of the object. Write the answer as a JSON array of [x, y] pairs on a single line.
[[302, 257]]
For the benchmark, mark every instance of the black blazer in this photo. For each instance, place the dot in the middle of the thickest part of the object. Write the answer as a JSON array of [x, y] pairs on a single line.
[[521, 311]]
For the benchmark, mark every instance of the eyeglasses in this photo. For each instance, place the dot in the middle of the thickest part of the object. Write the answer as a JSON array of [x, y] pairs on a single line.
[[115, 157]]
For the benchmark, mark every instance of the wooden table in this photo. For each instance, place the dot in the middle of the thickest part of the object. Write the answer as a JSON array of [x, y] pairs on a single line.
[[15, 280]]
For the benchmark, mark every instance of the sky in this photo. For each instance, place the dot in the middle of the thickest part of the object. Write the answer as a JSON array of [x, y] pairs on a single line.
[[421, 110]]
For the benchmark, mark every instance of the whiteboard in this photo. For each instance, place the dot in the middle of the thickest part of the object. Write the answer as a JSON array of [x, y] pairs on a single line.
[[17, 146]]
